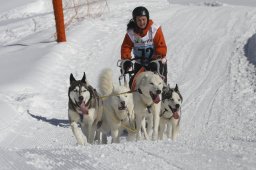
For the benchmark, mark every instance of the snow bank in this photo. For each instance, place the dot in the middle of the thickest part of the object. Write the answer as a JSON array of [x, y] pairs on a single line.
[[231, 2], [24, 20]]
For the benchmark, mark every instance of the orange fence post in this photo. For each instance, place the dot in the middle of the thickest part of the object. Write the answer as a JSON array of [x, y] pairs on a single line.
[[59, 19]]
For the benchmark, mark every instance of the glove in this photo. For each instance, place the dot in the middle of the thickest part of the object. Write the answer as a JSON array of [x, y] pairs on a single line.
[[125, 66]]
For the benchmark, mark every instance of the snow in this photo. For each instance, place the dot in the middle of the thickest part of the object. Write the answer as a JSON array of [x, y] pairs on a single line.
[[211, 56], [232, 2]]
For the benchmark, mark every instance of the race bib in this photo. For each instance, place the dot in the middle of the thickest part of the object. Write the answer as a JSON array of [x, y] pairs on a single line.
[[143, 52]]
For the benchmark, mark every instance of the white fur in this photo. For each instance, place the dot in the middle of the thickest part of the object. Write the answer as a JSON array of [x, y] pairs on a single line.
[[147, 82], [114, 119]]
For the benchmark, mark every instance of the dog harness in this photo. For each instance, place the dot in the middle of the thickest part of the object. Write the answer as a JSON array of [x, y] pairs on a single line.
[[162, 114]]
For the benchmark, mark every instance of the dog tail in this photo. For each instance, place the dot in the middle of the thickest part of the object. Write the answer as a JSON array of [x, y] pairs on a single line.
[[106, 82]]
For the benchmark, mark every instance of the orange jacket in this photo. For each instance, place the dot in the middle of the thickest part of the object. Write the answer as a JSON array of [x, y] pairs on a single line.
[[159, 44]]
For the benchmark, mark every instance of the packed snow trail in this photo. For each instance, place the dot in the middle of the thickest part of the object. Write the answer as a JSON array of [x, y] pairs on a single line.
[[210, 57]]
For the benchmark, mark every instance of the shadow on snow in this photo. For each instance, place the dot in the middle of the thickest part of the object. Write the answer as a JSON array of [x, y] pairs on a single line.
[[56, 122]]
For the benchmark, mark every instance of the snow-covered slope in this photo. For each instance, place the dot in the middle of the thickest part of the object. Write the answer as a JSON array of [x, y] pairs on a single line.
[[233, 2], [211, 56]]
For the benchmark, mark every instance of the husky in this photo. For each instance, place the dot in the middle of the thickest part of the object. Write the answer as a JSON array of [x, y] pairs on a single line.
[[118, 108], [147, 103], [84, 109], [170, 112]]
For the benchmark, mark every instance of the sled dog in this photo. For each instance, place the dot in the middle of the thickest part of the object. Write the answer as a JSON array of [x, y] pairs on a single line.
[[84, 109], [170, 112], [118, 108], [147, 103]]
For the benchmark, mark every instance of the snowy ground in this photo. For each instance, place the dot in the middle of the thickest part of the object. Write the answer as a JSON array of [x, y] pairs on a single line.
[[212, 57], [233, 2]]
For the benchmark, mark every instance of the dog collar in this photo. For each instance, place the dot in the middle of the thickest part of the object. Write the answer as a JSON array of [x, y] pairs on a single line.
[[149, 107], [165, 110]]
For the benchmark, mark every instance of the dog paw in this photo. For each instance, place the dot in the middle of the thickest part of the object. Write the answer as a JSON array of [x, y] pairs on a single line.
[[154, 137], [80, 143]]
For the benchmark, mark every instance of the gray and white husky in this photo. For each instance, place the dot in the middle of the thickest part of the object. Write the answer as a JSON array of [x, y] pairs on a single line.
[[170, 112], [84, 109], [118, 108]]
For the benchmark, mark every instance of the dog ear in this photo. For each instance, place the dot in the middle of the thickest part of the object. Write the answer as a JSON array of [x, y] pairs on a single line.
[[176, 88], [83, 80], [71, 78]]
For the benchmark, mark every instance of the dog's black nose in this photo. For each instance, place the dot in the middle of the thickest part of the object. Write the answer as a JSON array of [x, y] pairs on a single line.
[[158, 92], [177, 106], [81, 98], [122, 103]]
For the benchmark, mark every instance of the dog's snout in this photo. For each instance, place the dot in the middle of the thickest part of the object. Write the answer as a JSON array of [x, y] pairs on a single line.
[[81, 98], [177, 106], [158, 91]]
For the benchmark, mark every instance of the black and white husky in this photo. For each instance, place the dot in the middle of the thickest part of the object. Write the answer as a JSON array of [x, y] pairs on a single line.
[[170, 112], [84, 109]]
